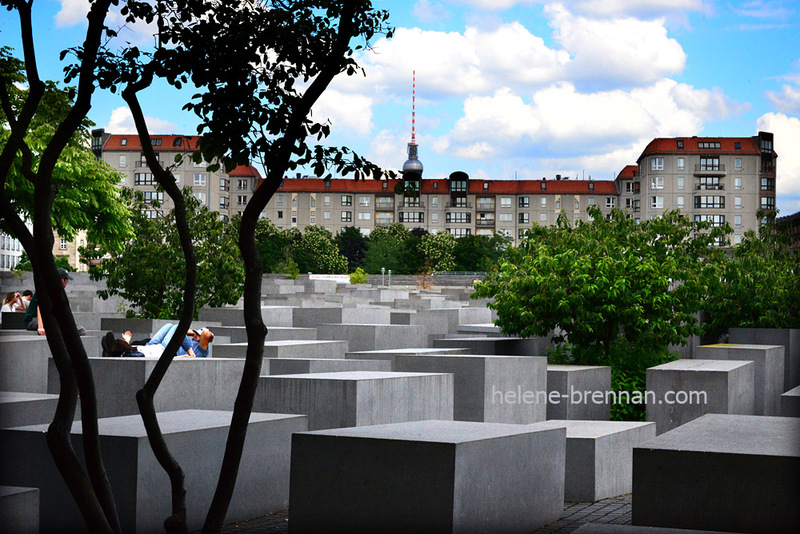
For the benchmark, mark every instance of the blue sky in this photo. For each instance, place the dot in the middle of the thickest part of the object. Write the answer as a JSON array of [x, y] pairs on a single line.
[[528, 88]]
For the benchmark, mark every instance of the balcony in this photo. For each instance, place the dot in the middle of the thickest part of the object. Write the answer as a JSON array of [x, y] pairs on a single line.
[[709, 170], [419, 204], [485, 223], [458, 206], [384, 207], [710, 187]]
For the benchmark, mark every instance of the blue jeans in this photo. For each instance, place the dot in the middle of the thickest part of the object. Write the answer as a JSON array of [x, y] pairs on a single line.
[[164, 335]]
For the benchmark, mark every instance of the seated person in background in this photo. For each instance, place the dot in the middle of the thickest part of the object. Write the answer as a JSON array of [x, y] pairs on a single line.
[[194, 345], [13, 302]]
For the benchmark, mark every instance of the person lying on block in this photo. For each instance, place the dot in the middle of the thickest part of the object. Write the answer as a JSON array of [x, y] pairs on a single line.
[[195, 344]]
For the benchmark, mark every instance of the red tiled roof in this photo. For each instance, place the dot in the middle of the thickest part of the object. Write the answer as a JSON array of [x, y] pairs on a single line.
[[495, 187], [245, 171], [132, 142], [690, 146], [628, 173]]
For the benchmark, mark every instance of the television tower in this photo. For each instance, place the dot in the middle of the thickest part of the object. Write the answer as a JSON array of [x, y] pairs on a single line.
[[413, 165]]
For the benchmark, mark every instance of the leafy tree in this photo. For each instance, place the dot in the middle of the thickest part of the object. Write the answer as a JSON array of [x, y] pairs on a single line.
[[315, 252], [273, 244], [478, 252], [220, 275], [352, 245], [437, 250], [24, 265], [759, 284], [615, 292]]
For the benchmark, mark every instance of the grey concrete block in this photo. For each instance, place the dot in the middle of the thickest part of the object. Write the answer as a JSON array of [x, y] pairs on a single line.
[[789, 338], [476, 315], [374, 336], [684, 390], [790, 403], [574, 387], [20, 409], [23, 363], [428, 476], [769, 375], [19, 510], [357, 398], [597, 528], [510, 346], [224, 316], [276, 316], [721, 472], [491, 389], [195, 437], [238, 334], [289, 366], [313, 317], [12, 320], [600, 456], [287, 349], [202, 383], [391, 354]]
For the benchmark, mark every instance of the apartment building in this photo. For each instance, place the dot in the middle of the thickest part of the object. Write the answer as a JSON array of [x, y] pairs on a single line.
[[717, 179], [458, 205], [226, 193]]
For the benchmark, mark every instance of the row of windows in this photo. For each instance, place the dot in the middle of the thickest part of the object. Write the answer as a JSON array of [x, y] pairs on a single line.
[[706, 163], [704, 182], [9, 243], [7, 261]]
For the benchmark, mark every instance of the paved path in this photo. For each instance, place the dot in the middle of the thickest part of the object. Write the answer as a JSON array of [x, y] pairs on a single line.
[[616, 510]]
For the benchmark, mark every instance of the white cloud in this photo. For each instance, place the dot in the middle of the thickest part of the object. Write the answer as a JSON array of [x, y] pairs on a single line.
[[616, 52], [635, 7], [495, 5], [72, 12], [787, 100], [787, 139], [761, 9], [121, 122], [345, 110], [428, 11]]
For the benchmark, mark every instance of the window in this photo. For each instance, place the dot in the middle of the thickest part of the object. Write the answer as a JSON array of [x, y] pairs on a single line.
[[63, 245], [542, 217], [436, 185], [434, 217], [485, 203], [384, 218], [737, 182], [384, 202], [223, 203], [737, 202], [347, 216], [485, 185], [435, 202], [177, 177], [123, 161], [280, 214], [241, 200], [384, 185], [767, 203], [679, 201], [590, 201], [709, 202], [737, 164], [737, 239], [178, 141], [591, 186], [610, 202], [156, 141], [543, 202], [715, 220], [458, 217], [521, 234], [629, 187], [524, 202], [628, 203], [577, 203], [199, 179], [506, 217], [768, 184], [313, 201], [708, 144], [363, 202], [458, 186], [680, 182], [223, 185], [657, 202], [459, 232], [364, 216], [505, 202], [524, 218], [558, 203], [709, 182], [681, 163], [143, 178], [294, 201], [242, 185], [326, 200], [657, 164], [153, 196], [737, 220], [123, 141], [411, 202], [327, 184], [280, 200], [201, 197], [544, 185], [326, 215], [412, 217], [459, 202], [347, 200], [657, 182], [709, 164], [680, 144], [150, 214]]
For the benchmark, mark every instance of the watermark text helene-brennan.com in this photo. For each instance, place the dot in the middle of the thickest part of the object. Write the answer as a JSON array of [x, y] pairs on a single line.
[[577, 396]]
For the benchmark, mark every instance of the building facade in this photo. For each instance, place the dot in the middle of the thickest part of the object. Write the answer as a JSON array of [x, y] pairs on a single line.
[[719, 179]]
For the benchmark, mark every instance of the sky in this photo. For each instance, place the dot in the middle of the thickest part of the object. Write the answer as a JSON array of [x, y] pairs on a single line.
[[525, 89]]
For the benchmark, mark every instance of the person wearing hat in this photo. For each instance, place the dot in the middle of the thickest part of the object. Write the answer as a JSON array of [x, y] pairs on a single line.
[[33, 317]]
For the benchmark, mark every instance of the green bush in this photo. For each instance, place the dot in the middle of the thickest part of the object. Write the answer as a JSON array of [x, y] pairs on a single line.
[[359, 276]]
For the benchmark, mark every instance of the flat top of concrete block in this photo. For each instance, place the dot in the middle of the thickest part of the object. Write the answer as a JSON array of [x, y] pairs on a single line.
[[15, 490], [372, 325], [353, 375], [592, 429], [432, 431], [479, 356], [740, 346], [15, 396], [556, 368], [598, 528], [412, 351], [701, 365], [794, 392], [176, 422], [481, 338], [296, 342], [756, 435]]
